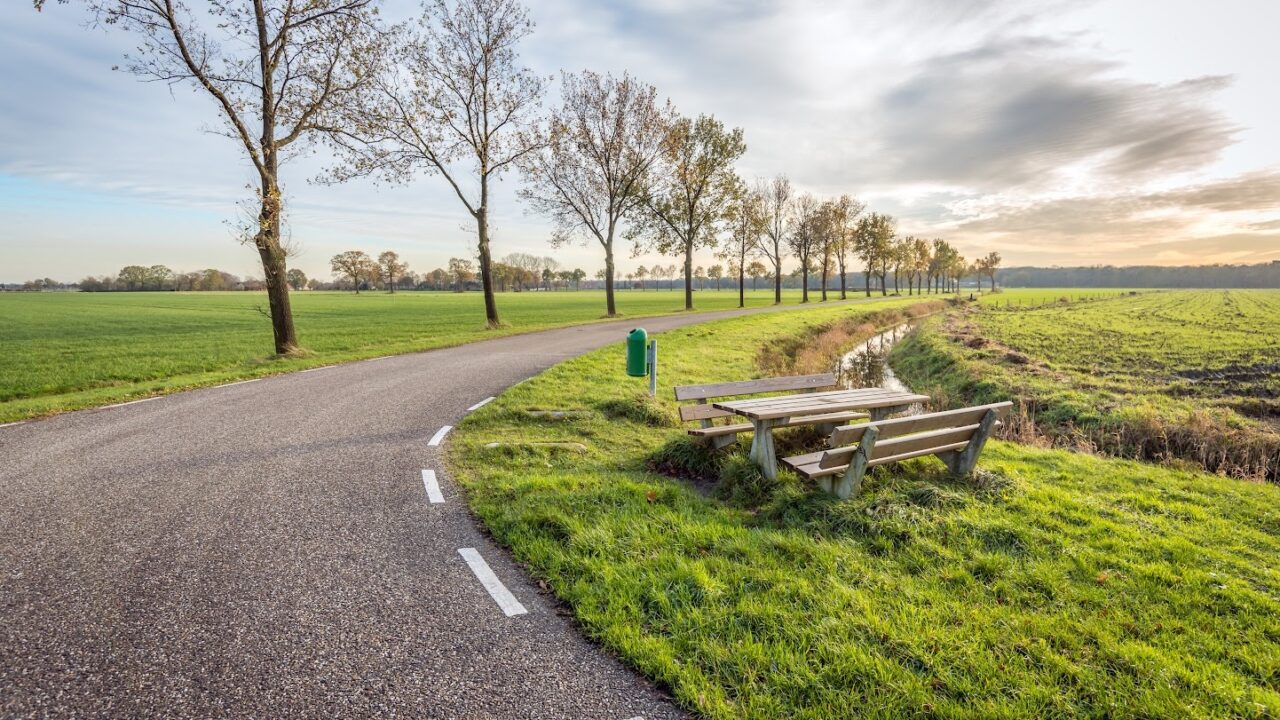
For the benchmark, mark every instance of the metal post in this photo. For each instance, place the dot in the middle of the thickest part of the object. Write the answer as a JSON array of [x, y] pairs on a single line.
[[653, 368]]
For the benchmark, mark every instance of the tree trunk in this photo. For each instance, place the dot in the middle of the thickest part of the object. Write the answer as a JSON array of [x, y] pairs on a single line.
[[844, 295], [884, 286], [804, 292], [742, 287], [777, 274], [274, 269], [486, 277], [688, 275], [611, 308]]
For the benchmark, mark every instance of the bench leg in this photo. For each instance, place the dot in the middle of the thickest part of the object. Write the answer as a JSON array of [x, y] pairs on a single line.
[[962, 462], [722, 441], [850, 483], [762, 449]]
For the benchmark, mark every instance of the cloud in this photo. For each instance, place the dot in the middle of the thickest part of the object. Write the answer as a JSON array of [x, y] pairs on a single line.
[[1031, 111], [1227, 219]]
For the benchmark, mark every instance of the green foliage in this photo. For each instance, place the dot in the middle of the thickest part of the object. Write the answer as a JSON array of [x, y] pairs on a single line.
[[72, 350], [1054, 584]]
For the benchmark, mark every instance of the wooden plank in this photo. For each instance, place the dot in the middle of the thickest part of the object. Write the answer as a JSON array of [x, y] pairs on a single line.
[[689, 413], [841, 395], [749, 387], [718, 430], [918, 453], [921, 441], [824, 405], [896, 427]]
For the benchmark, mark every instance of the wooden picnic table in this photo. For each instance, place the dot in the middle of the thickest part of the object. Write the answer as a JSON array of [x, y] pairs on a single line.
[[768, 413]]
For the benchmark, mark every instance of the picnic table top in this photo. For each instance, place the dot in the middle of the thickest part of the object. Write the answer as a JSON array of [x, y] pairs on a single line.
[[801, 404]]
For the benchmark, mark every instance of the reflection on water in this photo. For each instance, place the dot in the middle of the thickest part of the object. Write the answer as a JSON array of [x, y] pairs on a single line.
[[865, 366]]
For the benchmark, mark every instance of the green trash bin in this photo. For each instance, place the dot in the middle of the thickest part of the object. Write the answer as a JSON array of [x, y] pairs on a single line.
[[637, 353]]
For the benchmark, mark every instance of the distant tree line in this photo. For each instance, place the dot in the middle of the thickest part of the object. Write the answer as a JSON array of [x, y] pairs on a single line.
[[1262, 275]]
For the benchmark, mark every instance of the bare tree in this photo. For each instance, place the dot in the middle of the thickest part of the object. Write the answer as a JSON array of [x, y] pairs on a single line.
[[746, 226], [872, 245], [778, 199], [803, 239], [456, 104], [391, 268], [279, 72], [844, 218], [595, 161], [693, 185]]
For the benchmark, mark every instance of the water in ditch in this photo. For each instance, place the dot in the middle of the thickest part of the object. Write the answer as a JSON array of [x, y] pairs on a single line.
[[867, 364]]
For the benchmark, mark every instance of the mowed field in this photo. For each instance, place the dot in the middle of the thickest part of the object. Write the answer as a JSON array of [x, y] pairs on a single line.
[[70, 350], [1191, 374]]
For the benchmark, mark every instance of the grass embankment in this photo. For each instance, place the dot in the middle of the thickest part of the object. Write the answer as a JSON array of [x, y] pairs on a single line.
[[64, 351], [1060, 585], [1188, 376]]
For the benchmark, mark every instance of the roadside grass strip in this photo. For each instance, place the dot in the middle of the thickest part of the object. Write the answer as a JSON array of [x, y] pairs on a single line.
[[1053, 584], [480, 404], [439, 436], [499, 592], [432, 485]]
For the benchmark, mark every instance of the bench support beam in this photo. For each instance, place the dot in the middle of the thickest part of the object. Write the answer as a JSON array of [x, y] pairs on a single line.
[[962, 462], [850, 483]]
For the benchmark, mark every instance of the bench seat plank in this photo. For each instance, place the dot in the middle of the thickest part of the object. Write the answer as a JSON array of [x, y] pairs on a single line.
[[919, 423]]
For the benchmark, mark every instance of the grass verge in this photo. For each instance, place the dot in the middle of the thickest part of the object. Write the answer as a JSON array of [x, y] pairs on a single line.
[[1057, 584]]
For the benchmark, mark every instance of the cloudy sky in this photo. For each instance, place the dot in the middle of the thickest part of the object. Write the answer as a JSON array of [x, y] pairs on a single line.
[[1058, 133]]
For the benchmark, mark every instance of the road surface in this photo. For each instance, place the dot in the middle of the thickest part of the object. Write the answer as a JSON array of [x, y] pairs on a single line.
[[271, 549]]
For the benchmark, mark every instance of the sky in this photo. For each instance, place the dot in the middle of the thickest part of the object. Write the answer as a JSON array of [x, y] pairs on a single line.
[[1056, 133]]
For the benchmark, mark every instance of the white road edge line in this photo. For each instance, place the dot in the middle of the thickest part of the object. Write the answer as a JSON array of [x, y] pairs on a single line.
[[20, 422], [131, 402], [480, 404], [322, 367], [439, 436], [239, 382], [433, 487], [497, 590]]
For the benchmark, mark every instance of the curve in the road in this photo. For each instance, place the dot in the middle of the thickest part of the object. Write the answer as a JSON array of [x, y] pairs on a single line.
[[272, 548]]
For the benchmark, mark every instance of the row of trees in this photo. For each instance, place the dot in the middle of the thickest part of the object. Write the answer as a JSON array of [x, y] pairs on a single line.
[[141, 278], [1261, 275], [448, 96]]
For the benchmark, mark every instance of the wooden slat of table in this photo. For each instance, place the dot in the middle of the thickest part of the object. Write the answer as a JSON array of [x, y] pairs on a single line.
[[801, 399], [815, 403]]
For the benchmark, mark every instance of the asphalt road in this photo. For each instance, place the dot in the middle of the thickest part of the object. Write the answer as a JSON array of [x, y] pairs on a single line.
[[268, 550]]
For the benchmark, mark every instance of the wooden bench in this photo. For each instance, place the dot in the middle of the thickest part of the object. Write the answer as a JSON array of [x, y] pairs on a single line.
[[955, 436], [718, 436]]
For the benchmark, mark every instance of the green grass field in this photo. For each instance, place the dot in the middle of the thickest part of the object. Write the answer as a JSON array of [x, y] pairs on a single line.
[[1058, 585], [70, 350], [1170, 374]]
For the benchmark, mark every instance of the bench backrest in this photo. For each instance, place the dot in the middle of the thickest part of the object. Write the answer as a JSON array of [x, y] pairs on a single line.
[[912, 436], [703, 393]]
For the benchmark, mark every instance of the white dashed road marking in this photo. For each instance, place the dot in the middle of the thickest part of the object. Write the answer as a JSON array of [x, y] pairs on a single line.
[[433, 486], [131, 402], [480, 404], [497, 590], [322, 367], [20, 422], [435, 439], [240, 382]]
